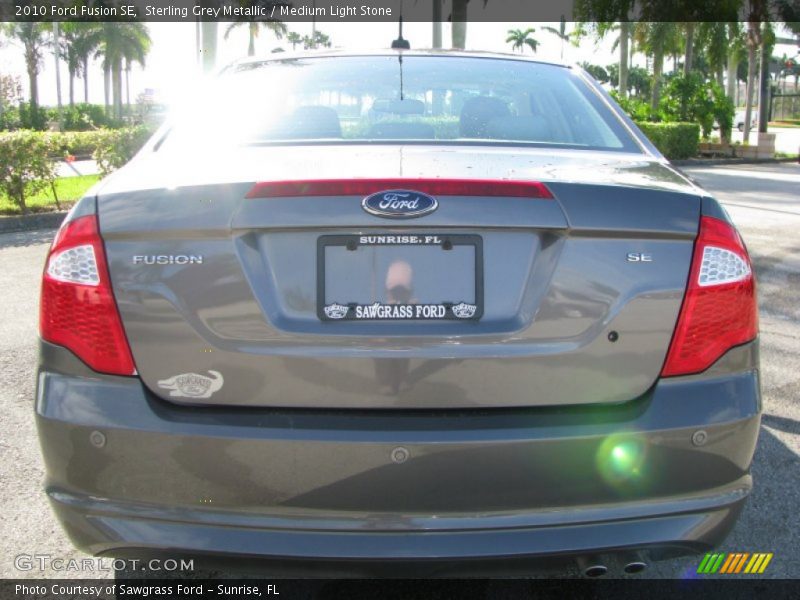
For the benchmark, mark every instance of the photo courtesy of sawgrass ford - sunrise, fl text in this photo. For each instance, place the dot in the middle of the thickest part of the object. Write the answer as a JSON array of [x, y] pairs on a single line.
[[399, 299]]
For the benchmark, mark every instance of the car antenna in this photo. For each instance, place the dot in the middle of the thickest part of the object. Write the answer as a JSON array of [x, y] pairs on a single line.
[[400, 43]]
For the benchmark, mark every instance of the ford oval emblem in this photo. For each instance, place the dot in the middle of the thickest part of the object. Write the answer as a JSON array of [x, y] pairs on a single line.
[[399, 204]]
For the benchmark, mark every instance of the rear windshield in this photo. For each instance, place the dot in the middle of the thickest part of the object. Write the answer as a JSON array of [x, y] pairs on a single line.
[[425, 99]]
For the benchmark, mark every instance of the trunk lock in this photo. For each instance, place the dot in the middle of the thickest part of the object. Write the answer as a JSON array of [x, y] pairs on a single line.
[[399, 455], [97, 439]]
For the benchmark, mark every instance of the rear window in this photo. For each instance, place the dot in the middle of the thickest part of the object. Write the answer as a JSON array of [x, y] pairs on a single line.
[[424, 99]]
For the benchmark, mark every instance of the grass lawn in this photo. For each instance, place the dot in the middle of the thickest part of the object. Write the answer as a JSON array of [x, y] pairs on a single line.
[[69, 189]]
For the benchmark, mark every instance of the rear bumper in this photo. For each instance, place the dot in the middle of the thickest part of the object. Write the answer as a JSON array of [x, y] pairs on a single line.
[[128, 472]]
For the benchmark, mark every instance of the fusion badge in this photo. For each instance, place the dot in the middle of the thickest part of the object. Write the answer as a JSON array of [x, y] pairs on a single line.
[[167, 259], [399, 204]]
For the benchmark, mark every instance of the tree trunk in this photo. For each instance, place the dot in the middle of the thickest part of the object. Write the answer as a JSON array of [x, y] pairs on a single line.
[[72, 87], [459, 26], [21, 203], [56, 35], [658, 69], [128, 88], [209, 49], [33, 81], [197, 41], [751, 80], [733, 67], [624, 34], [116, 81], [251, 47], [688, 56], [763, 96], [86, 80], [437, 24], [107, 88]]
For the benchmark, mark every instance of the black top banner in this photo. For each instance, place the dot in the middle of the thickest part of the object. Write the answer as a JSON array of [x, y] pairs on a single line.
[[391, 10]]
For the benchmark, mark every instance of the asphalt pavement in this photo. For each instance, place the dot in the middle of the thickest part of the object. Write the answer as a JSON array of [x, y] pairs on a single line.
[[764, 201]]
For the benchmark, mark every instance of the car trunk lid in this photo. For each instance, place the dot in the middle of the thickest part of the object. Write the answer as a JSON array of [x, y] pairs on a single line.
[[221, 299]]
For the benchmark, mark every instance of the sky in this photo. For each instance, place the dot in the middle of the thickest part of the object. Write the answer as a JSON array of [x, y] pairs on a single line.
[[172, 65]]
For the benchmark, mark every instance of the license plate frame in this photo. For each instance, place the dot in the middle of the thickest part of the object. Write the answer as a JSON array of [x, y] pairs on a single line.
[[453, 311]]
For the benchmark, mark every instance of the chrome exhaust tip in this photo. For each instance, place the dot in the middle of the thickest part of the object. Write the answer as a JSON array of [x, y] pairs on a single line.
[[592, 566], [634, 563]]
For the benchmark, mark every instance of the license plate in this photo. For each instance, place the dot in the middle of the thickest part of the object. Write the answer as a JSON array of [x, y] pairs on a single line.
[[399, 277]]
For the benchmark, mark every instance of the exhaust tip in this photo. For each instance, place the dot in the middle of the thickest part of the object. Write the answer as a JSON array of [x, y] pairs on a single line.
[[595, 571], [592, 566], [634, 562], [636, 566]]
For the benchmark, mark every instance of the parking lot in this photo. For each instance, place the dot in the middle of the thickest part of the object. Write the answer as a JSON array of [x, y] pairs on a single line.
[[763, 201]]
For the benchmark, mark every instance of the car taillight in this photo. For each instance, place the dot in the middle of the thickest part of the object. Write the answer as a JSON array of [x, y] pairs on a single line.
[[77, 308], [719, 310]]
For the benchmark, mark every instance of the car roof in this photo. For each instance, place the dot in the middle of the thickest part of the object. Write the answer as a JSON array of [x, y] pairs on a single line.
[[292, 55]]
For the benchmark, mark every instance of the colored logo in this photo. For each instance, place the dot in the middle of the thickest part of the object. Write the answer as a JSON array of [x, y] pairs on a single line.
[[734, 562], [399, 204]]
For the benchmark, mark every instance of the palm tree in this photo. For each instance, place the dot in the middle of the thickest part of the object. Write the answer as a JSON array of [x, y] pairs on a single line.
[[599, 30], [209, 45], [70, 57], [602, 17], [603, 28], [134, 53], [120, 42], [624, 58], [459, 24], [519, 38], [458, 18], [322, 40], [57, 57], [294, 38], [688, 54], [712, 37], [753, 41], [316, 40], [657, 39], [276, 27], [736, 54], [79, 41], [561, 33], [34, 38]]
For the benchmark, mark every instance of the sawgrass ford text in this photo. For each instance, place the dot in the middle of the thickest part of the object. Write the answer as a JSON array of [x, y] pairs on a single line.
[[145, 590], [183, 12]]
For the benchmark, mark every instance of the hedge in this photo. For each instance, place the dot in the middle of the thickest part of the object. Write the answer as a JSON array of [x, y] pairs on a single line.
[[674, 140], [110, 147], [25, 167], [27, 158]]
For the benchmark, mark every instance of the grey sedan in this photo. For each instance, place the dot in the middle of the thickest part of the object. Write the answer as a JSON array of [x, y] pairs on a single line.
[[430, 308]]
